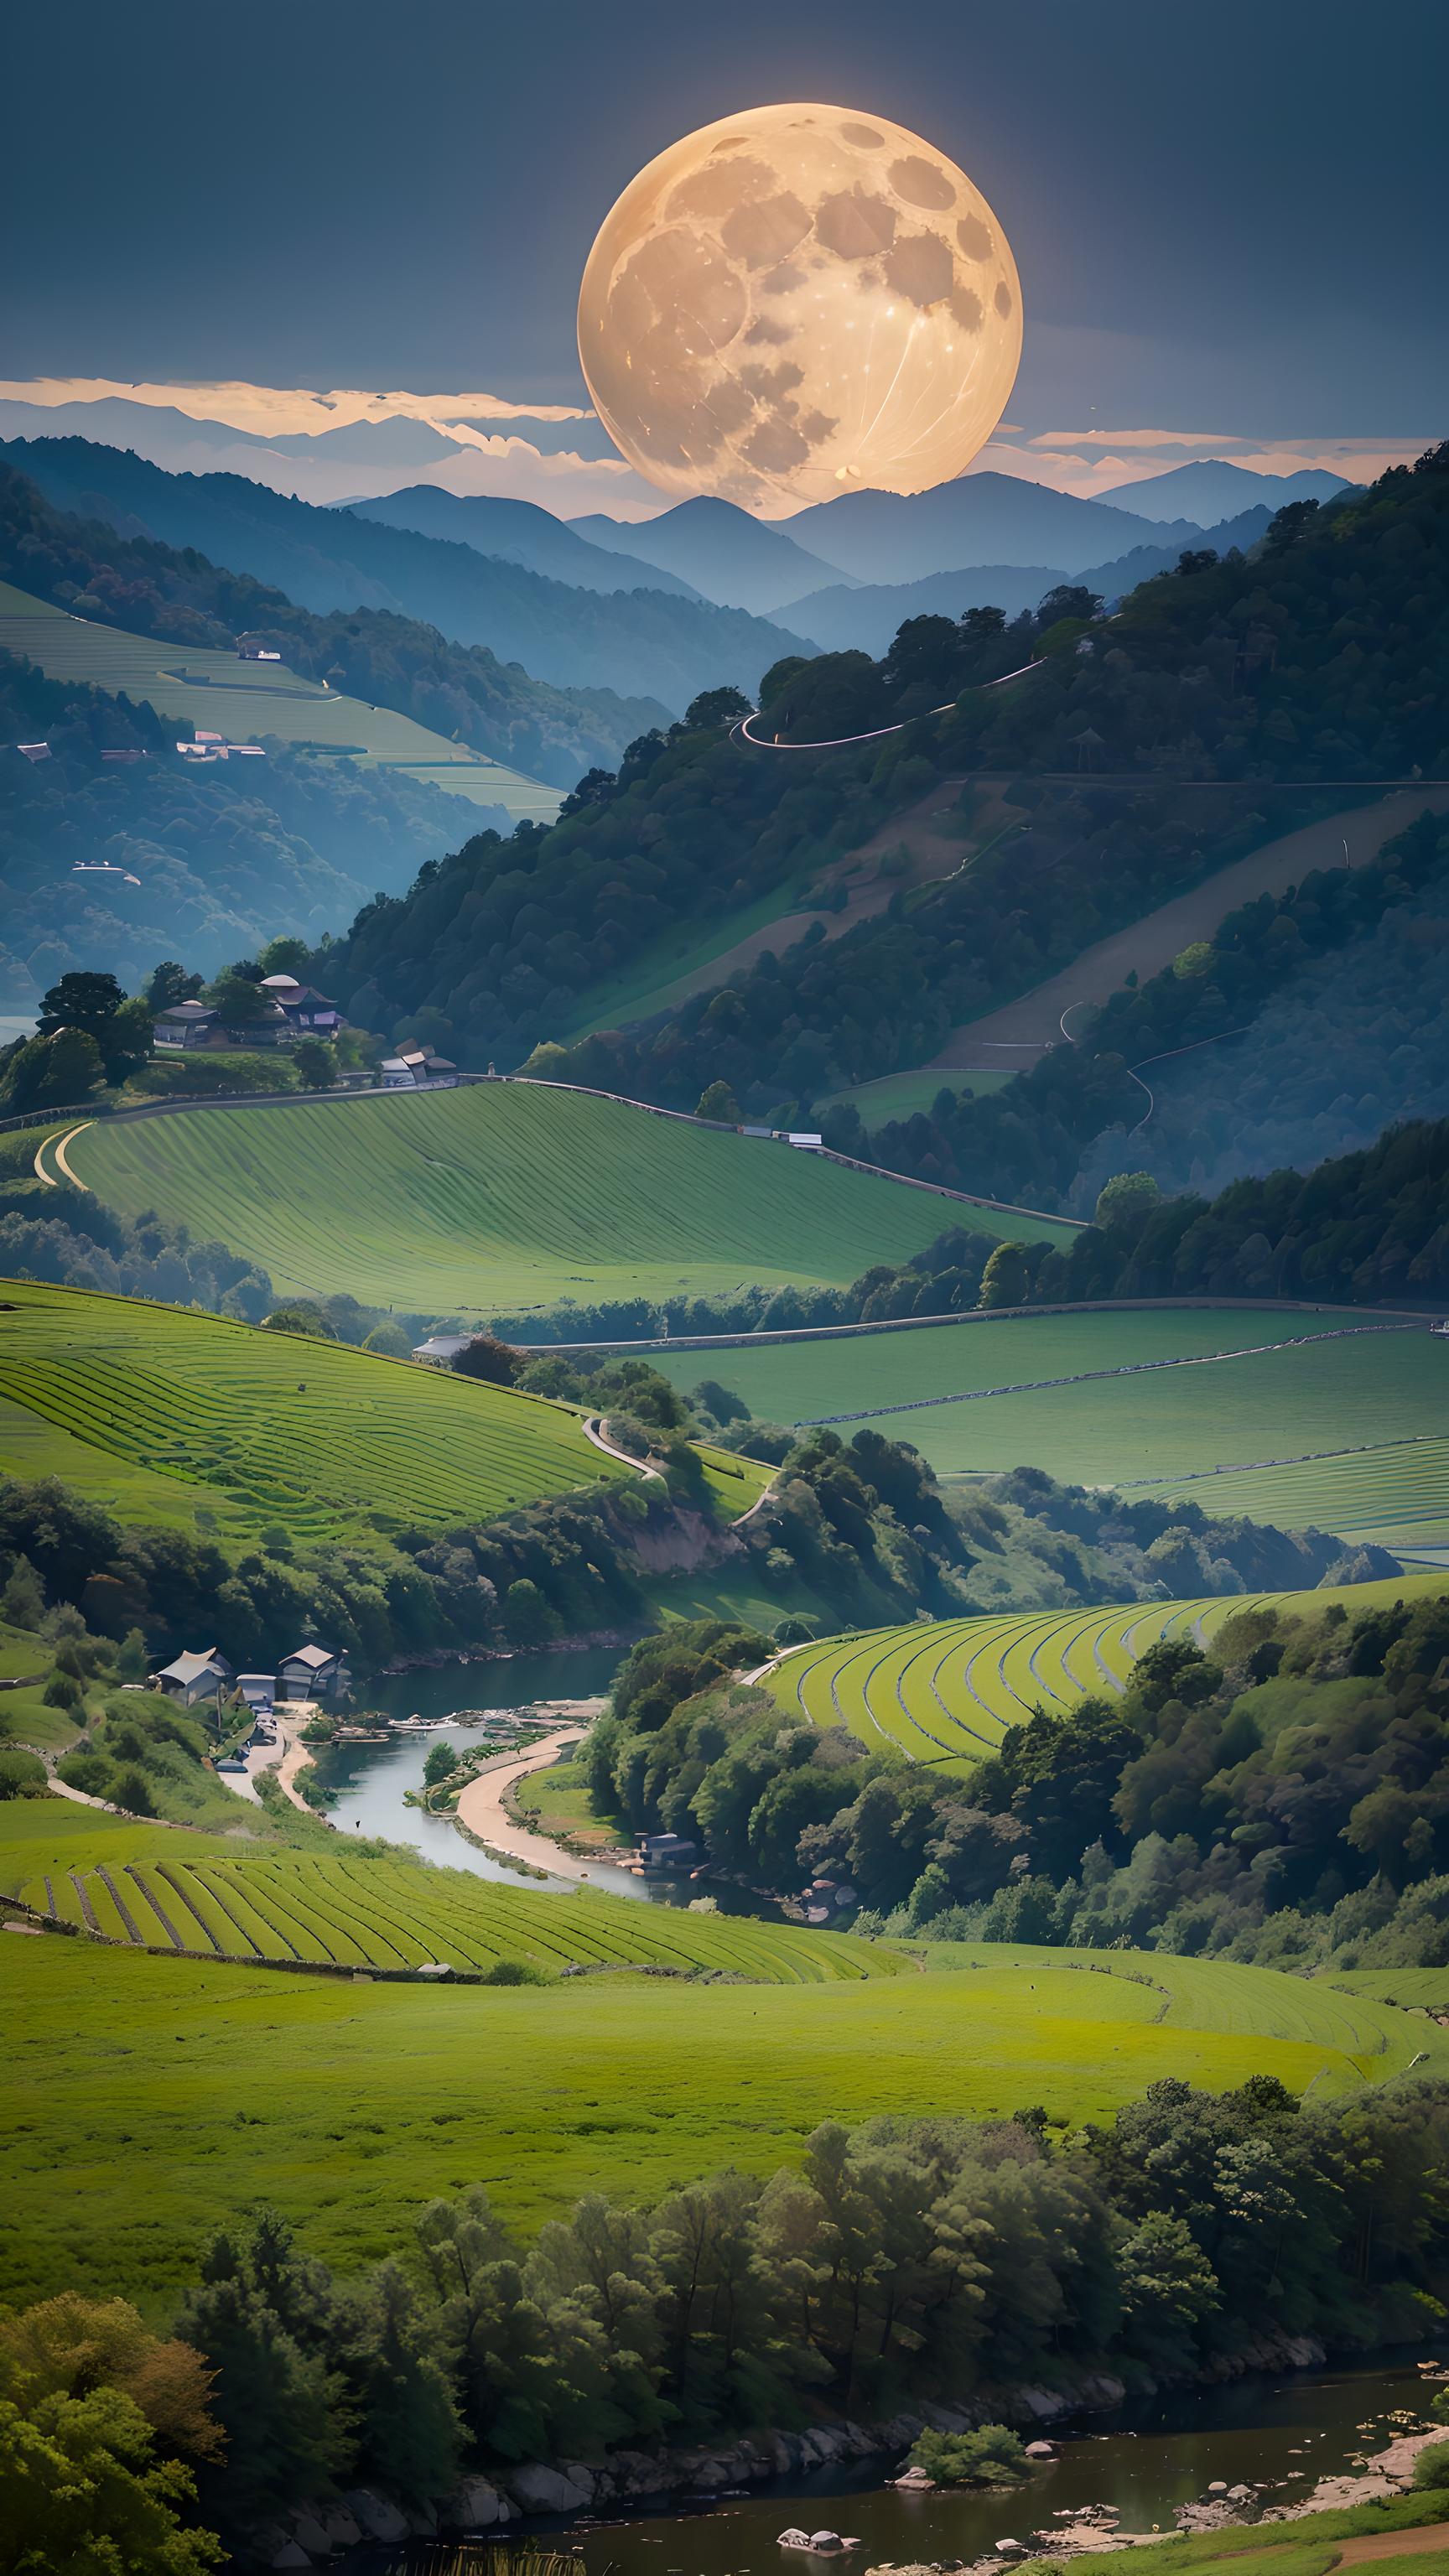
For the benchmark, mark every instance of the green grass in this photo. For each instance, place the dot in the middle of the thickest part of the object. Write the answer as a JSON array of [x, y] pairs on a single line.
[[175, 2097], [1413, 1989], [246, 700], [165, 1415], [945, 1691], [506, 1195], [1304, 2547], [1175, 1426]]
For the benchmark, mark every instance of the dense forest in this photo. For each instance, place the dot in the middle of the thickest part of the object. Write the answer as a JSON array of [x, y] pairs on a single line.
[[222, 858], [1285, 1801], [901, 2261], [644, 642], [1075, 1112], [1312, 659], [463, 692]]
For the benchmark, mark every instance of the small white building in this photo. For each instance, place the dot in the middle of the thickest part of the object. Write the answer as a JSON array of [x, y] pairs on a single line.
[[442, 1349], [186, 1024]]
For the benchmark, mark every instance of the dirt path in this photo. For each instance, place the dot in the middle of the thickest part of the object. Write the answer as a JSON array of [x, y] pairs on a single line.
[[1393, 2544], [481, 1807], [593, 1431], [1021, 1031]]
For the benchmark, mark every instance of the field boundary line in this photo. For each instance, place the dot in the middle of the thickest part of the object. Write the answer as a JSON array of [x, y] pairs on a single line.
[[1308, 1458], [999, 1315], [1088, 1377]]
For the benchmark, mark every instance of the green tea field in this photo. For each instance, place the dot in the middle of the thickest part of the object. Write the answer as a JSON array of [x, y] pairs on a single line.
[[505, 1195], [179, 1418], [246, 700], [1252, 1387], [159, 1890], [946, 1692], [178, 2096]]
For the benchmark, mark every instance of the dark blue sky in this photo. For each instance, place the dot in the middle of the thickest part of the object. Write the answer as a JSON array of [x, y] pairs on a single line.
[[1225, 212]]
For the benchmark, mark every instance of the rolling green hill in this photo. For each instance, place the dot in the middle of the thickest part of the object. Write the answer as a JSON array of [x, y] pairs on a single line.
[[945, 1693], [244, 701], [1355, 1424], [506, 1195], [179, 2096], [167, 1417]]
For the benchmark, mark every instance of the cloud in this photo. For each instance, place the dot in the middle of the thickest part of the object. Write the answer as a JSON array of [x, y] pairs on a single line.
[[558, 455], [568, 464], [1092, 461]]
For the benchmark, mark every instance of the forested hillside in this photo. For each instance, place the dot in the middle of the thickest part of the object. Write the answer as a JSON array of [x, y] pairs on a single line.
[[1313, 660], [1283, 1801], [464, 692], [214, 860], [639, 641]]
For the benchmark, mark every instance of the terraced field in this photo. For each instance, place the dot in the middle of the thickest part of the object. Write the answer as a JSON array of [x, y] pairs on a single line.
[[1395, 1493], [178, 2096], [506, 1195], [1087, 1397], [163, 1414], [246, 700], [946, 1693], [172, 1891]]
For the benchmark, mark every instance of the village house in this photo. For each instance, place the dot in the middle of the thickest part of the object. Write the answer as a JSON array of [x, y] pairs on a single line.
[[441, 1349], [187, 1024], [312, 1672], [302, 1006], [414, 1065], [195, 1674]]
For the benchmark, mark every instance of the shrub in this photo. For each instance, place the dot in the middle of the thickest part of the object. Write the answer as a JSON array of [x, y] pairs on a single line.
[[992, 2456], [22, 1775], [1431, 2469]]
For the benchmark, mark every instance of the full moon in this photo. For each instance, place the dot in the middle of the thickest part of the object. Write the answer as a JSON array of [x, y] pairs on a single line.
[[797, 302]]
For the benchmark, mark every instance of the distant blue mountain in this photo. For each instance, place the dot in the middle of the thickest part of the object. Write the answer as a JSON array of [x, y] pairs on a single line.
[[1212, 489]]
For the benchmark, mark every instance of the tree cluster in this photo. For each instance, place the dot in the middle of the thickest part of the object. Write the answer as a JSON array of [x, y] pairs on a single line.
[[902, 2260]]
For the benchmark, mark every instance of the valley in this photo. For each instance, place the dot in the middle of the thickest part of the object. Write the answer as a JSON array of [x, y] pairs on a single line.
[[724, 1649]]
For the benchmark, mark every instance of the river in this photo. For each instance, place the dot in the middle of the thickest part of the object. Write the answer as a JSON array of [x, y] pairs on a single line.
[[370, 1782], [1156, 2454]]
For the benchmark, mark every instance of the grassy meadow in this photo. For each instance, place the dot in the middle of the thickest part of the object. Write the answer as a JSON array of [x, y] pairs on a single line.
[[1168, 1430], [177, 2096], [244, 701], [506, 1195], [945, 1691]]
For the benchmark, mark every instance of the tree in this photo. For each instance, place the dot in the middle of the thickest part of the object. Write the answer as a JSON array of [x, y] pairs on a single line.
[[1004, 1281], [596, 787], [240, 1000], [1126, 1202], [80, 1001], [284, 956], [22, 1602], [299, 1317], [992, 2456], [55, 1072], [316, 1063], [496, 1363], [442, 1761], [168, 984], [718, 1101], [1069, 599], [715, 707]]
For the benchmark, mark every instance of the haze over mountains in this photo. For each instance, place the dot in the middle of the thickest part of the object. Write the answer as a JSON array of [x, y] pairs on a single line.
[[698, 597]]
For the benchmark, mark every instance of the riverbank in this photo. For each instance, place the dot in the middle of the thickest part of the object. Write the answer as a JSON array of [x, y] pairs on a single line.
[[482, 1814]]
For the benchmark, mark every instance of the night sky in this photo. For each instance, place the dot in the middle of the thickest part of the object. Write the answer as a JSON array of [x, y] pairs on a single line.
[[1225, 212]]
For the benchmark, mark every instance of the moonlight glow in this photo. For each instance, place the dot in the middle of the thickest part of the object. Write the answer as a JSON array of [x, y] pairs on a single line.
[[795, 302]]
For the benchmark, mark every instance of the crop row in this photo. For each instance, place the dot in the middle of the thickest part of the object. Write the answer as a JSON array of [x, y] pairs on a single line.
[[945, 1694], [380, 1914]]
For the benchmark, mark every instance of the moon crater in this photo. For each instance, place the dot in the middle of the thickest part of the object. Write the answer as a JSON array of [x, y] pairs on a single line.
[[850, 242]]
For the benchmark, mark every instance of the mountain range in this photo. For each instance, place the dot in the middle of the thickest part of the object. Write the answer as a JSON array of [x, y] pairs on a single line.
[[645, 643], [1211, 489]]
